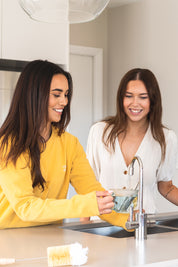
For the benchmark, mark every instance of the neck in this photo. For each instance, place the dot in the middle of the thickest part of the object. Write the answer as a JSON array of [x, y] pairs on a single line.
[[46, 132], [137, 127]]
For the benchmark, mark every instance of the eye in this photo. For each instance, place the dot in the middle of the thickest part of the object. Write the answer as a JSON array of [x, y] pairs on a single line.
[[128, 96], [144, 97], [55, 95]]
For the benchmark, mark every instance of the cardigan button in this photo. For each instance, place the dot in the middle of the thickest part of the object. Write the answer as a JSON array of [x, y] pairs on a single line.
[[125, 172]]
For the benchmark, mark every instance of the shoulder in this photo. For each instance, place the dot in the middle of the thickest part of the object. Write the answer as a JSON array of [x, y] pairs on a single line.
[[65, 137], [98, 126], [170, 138], [70, 140], [68, 145], [96, 131], [170, 134]]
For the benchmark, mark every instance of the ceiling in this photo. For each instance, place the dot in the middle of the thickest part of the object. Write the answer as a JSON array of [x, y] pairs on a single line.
[[114, 3]]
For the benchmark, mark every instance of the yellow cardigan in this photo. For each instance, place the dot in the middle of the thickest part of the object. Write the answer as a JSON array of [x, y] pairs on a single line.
[[62, 162]]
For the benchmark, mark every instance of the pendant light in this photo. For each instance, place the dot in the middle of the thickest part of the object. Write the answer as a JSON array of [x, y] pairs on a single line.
[[51, 11], [85, 10], [55, 11]]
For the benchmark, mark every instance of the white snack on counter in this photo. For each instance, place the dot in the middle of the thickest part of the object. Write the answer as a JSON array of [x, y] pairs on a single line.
[[72, 254]]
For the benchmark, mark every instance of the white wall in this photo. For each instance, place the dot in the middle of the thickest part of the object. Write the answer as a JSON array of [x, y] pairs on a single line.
[[145, 34], [94, 34]]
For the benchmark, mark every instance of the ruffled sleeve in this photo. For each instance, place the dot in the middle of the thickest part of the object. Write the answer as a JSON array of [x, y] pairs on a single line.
[[93, 147], [167, 168]]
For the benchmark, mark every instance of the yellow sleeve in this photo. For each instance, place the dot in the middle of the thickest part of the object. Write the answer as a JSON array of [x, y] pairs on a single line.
[[17, 187], [118, 219], [22, 202], [83, 179]]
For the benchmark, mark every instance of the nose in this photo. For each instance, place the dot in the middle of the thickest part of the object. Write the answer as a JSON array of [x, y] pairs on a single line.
[[63, 101], [135, 100]]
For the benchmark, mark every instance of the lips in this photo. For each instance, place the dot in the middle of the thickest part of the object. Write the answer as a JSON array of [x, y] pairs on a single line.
[[58, 110], [135, 111]]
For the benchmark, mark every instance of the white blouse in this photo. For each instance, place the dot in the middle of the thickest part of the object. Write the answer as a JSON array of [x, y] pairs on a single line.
[[112, 171]]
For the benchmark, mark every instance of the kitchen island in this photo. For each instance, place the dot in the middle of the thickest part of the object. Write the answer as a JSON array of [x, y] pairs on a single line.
[[103, 251]]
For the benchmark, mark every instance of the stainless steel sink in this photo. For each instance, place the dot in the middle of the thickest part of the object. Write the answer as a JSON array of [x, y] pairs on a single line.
[[160, 223]]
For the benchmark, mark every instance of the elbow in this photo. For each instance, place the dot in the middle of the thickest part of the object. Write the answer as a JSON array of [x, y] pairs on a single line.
[[165, 188]]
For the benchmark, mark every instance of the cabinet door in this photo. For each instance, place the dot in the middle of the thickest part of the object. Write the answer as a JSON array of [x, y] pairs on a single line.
[[27, 39], [86, 68], [81, 68], [87, 101]]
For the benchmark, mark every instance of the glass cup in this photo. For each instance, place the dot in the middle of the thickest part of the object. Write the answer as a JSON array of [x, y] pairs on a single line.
[[123, 199]]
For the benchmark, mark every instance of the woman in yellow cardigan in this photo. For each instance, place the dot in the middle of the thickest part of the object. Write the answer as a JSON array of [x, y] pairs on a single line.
[[38, 158]]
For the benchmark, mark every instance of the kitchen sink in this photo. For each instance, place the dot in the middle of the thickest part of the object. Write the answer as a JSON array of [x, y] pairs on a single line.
[[160, 224], [118, 232]]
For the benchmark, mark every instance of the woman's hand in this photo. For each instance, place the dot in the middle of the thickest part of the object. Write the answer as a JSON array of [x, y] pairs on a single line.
[[105, 202]]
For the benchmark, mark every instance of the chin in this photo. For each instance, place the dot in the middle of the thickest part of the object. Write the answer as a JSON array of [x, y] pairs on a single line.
[[57, 119]]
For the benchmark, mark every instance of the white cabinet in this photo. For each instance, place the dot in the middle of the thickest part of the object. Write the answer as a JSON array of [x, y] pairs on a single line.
[[25, 39]]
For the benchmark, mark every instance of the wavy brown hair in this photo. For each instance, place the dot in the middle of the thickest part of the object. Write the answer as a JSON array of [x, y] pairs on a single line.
[[28, 112], [118, 123]]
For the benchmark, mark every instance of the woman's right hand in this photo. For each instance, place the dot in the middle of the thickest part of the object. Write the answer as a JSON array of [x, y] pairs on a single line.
[[105, 202]]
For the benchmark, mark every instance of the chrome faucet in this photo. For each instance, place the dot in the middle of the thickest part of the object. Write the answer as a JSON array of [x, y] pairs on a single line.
[[140, 224]]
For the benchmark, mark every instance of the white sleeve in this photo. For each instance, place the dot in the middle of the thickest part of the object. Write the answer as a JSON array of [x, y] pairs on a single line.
[[92, 150], [167, 168]]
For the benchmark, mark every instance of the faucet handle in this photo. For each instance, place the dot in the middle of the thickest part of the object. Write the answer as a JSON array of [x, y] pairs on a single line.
[[131, 223]]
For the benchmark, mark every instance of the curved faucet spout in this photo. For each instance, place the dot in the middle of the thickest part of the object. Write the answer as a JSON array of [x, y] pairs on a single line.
[[131, 172], [140, 224]]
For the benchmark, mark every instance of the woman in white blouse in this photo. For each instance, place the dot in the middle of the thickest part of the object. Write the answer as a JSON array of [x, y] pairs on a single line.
[[136, 129]]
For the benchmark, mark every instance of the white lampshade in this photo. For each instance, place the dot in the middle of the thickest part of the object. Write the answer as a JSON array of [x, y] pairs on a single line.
[[51, 11], [85, 10], [55, 11]]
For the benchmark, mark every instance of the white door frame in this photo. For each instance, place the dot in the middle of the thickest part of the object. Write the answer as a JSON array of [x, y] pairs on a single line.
[[97, 54]]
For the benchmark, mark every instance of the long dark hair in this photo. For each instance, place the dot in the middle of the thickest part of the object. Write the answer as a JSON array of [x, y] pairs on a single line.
[[118, 123], [28, 112]]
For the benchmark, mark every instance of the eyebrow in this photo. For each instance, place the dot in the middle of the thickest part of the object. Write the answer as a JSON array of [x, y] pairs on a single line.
[[58, 90], [139, 94]]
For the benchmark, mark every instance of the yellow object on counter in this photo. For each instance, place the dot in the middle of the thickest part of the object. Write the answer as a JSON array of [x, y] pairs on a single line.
[[72, 254]]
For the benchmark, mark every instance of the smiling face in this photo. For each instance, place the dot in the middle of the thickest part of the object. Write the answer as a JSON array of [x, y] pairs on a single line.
[[58, 97], [136, 101]]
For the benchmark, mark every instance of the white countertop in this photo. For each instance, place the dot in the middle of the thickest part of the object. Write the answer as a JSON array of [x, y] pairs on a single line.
[[103, 251]]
